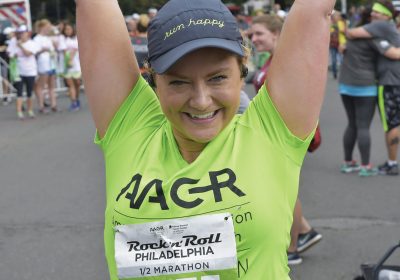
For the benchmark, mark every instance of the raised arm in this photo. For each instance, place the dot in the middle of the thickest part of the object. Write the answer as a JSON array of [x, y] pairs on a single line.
[[108, 63], [297, 78]]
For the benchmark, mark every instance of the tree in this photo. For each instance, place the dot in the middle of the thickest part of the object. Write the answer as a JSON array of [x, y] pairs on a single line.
[[53, 9], [65, 9]]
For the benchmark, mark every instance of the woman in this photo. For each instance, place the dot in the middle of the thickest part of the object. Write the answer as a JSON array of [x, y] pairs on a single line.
[[139, 42], [24, 50], [46, 60], [72, 68], [266, 31], [184, 198], [59, 44], [358, 91]]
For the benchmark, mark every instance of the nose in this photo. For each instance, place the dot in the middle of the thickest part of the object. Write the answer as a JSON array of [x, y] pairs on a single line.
[[200, 99], [253, 38]]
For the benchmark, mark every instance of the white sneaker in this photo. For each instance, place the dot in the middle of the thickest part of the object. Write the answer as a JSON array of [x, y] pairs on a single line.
[[20, 115], [31, 114]]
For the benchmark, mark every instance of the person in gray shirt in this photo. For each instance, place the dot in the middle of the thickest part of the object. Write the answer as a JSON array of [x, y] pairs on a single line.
[[358, 91], [384, 32]]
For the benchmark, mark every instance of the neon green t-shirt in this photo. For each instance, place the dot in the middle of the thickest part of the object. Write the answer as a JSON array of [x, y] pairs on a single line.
[[249, 171]]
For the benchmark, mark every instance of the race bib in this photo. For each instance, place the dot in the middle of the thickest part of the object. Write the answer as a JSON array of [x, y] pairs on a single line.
[[196, 248]]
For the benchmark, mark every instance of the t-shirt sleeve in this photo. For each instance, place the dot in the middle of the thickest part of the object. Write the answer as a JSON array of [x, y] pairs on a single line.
[[140, 110], [381, 45], [263, 116], [376, 28], [33, 47]]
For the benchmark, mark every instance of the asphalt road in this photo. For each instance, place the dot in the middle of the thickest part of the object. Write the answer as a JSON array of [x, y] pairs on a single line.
[[52, 200]]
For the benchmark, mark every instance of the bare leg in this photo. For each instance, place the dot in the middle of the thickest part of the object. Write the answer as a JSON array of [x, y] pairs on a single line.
[[294, 233], [304, 226], [52, 93], [392, 143], [77, 84], [38, 88], [5, 90], [19, 103], [71, 89], [29, 104]]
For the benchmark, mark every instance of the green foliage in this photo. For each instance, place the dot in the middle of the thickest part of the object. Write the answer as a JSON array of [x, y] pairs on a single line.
[[65, 9]]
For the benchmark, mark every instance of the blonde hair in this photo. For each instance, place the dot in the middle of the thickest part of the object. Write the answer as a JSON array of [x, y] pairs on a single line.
[[42, 23], [272, 22]]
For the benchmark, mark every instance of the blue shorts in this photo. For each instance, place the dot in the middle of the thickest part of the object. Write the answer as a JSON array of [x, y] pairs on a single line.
[[50, 73]]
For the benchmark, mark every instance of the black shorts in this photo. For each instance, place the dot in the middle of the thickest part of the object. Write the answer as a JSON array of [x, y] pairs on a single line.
[[389, 106]]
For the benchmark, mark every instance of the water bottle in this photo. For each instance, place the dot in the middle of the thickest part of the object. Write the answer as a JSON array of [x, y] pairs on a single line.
[[386, 274]]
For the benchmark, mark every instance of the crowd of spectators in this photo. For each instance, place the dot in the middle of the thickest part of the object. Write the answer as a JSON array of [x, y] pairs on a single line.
[[32, 60]]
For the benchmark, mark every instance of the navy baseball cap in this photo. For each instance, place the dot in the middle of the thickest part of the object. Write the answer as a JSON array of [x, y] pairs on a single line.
[[183, 26]]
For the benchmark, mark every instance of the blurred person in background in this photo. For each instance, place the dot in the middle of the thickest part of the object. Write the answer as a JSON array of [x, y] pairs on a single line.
[[139, 42], [337, 41], [24, 51], [131, 24], [5, 37], [47, 64], [58, 39], [72, 67], [152, 12], [266, 31]]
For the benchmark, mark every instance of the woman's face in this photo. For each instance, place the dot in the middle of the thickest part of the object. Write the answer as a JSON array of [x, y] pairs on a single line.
[[45, 30], [68, 31], [23, 36], [200, 94], [263, 39]]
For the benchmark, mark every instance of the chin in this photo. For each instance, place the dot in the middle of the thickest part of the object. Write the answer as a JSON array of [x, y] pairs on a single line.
[[203, 138]]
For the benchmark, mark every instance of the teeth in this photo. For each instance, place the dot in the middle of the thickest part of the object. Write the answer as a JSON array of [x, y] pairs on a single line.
[[204, 116]]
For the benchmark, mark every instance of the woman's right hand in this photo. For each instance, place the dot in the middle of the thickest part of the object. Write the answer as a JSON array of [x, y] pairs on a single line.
[[109, 66]]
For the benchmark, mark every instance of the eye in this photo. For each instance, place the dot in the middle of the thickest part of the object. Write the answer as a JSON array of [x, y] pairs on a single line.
[[177, 83], [218, 78]]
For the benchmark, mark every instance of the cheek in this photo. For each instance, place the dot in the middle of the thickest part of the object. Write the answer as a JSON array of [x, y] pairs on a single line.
[[170, 102], [231, 97]]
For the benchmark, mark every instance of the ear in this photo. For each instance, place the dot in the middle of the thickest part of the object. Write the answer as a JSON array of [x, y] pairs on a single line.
[[244, 71]]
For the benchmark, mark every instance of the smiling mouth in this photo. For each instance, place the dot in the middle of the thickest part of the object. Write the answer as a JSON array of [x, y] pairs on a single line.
[[206, 116]]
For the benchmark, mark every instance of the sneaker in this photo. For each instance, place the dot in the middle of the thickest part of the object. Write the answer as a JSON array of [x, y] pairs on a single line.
[[294, 258], [386, 169], [31, 115], [306, 240], [20, 115], [73, 107], [55, 109], [43, 111], [367, 171], [349, 167]]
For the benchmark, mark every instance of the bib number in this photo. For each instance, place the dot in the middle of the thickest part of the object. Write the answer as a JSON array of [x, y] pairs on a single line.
[[196, 248]]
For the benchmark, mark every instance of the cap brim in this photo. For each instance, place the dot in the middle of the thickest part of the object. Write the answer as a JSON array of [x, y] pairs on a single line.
[[164, 62]]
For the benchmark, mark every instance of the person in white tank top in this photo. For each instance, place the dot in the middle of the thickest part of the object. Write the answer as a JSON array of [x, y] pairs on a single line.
[[46, 60]]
